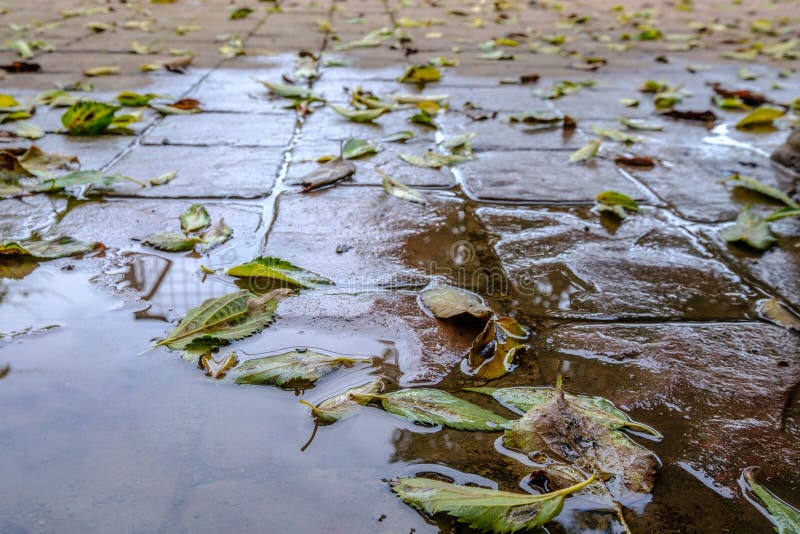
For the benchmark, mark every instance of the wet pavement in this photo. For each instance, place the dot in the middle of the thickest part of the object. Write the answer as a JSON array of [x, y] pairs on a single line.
[[656, 312]]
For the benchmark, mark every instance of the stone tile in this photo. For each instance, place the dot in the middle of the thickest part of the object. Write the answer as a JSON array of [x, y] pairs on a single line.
[[94, 152], [542, 176], [498, 134], [21, 217], [203, 172], [567, 263], [228, 129], [690, 179], [721, 387], [326, 125], [122, 223]]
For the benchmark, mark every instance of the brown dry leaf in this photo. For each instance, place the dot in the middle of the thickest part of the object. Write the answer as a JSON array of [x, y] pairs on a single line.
[[774, 311], [216, 368], [492, 353], [643, 162], [334, 171]]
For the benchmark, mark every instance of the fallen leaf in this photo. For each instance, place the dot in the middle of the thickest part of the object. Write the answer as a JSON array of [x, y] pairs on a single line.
[[21, 66], [131, 99], [355, 148], [614, 198], [635, 161], [641, 124], [461, 143], [587, 152], [184, 106], [194, 218], [701, 116], [435, 407], [44, 164], [749, 229], [398, 137], [484, 509], [280, 271], [216, 368], [164, 178], [219, 320], [334, 171], [752, 184], [88, 118], [172, 242], [785, 517], [433, 160], [80, 183], [774, 311], [299, 368], [218, 234], [105, 70], [420, 74], [29, 131], [400, 190], [764, 114], [445, 301], [616, 135], [49, 249], [343, 405], [240, 13], [287, 91], [359, 115], [750, 98], [492, 353], [629, 102]]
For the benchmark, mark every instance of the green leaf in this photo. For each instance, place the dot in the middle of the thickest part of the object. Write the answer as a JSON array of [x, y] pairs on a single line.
[[400, 190], [421, 74], [297, 368], [760, 116], [398, 137], [164, 178], [355, 148], [785, 517], [240, 13], [284, 90], [754, 185], [445, 301], [49, 249], [614, 198], [88, 118], [588, 151], [533, 118], [434, 160], [667, 99], [750, 229], [484, 509], [220, 320], [280, 271], [342, 406], [523, 399], [563, 88], [218, 234], [359, 115], [782, 214], [436, 407], [461, 143], [194, 218], [616, 135], [640, 124], [172, 242], [85, 181], [492, 353], [135, 100], [629, 102], [566, 429], [104, 70]]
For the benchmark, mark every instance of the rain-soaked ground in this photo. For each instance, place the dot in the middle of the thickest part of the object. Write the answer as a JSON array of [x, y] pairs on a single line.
[[657, 312]]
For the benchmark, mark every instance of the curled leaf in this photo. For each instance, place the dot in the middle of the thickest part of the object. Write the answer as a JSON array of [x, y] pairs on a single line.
[[760, 116], [492, 353], [445, 301], [344, 405], [194, 218], [400, 190], [586, 152], [334, 171], [355, 148]]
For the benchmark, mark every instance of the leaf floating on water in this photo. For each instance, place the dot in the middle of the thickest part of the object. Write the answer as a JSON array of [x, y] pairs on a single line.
[[359, 115], [172, 242], [220, 320], [355, 148], [587, 152], [785, 517], [88, 117], [49, 249], [400, 190], [749, 229], [761, 116], [280, 271], [297, 368], [216, 368], [218, 234], [447, 301], [343, 405], [572, 431], [484, 509], [434, 160], [435, 407], [754, 185], [334, 171], [420, 74], [523, 399], [194, 218], [492, 353]]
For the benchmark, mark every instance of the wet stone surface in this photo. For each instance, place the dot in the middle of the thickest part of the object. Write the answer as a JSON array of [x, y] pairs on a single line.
[[656, 312]]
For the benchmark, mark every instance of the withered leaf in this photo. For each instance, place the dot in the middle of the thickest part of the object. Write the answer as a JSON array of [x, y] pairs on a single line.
[[334, 171]]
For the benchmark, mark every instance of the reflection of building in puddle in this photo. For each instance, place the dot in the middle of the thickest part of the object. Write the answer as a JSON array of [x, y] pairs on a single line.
[[169, 285]]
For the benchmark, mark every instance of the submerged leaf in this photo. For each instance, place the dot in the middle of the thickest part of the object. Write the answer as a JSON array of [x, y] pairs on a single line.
[[49, 249], [278, 270], [447, 301], [762, 115], [785, 517], [194, 218], [492, 353], [435, 407], [220, 320], [344, 405], [297, 368], [330, 173], [484, 509], [400, 190], [88, 118], [750, 229]]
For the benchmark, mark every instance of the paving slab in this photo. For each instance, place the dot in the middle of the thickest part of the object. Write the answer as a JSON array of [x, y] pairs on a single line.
[[564, 263], [223, 129]]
